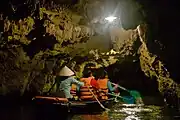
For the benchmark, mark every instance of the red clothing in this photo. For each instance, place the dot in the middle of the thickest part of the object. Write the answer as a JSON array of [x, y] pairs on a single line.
[[94, 83]]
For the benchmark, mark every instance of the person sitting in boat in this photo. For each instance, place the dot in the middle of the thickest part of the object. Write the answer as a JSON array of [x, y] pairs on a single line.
[[85, 93], [92, 68], [104, 84], [66, 82], [87, 77]]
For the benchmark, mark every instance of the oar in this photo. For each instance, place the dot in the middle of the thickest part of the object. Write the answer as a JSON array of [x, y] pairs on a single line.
[[118, 96], [115, 95], [121, 87], [126, 100], [102, 106], [133, 93]]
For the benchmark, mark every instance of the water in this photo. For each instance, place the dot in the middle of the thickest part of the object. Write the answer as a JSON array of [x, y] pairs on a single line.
[[118, 112], [133, 112]]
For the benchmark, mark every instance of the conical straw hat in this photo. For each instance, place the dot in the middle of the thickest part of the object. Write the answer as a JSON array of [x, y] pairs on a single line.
[[65, 71]]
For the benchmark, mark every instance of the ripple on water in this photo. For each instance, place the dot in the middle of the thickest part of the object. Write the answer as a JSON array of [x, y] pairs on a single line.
[[130, 112], [136, 112]]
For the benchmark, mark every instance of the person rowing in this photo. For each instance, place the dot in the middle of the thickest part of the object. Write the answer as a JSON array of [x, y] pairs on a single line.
[[67, 79], [103, 84]]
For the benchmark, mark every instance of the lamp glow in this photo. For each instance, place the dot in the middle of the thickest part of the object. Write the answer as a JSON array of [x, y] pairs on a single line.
[[110, 18]]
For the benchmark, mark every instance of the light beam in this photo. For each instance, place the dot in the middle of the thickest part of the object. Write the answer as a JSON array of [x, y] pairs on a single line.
[[110, 18]]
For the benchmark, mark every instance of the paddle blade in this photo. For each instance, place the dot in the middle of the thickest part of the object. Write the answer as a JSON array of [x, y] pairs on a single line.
[[137, 96], [128, 99]]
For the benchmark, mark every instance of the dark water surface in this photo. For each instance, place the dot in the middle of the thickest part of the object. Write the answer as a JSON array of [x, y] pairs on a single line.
[[132, 112], [117, 112]]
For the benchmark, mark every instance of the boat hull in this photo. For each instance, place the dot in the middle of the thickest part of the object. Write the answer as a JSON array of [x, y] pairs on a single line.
[[81, 107]]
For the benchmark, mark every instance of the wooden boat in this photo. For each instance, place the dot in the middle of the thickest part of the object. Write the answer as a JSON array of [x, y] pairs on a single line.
[[73, 106]]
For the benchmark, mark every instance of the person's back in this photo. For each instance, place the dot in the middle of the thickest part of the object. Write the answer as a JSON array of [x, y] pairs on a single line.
[[104, 84], [94, 83], [65, 84], [85, 91], [87, 81]]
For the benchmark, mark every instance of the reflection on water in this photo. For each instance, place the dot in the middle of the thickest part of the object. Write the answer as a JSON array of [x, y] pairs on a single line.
[[133, 112], [118, 112], [103, 116]]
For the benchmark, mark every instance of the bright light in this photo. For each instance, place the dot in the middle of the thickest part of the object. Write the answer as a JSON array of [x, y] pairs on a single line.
[[110, 18], [131, 118]]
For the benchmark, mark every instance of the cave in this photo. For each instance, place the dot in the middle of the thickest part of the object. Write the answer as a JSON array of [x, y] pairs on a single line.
[[139, 50]]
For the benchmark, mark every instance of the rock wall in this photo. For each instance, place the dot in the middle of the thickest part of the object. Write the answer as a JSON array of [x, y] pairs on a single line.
[[34, 47]]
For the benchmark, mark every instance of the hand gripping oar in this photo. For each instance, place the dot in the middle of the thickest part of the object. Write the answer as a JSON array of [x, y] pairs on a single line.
[[102, 106]]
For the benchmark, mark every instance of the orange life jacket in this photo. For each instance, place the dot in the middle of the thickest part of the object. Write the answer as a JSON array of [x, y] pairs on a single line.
[[73, 90], [102, 83], [85, 94], [87, 81]]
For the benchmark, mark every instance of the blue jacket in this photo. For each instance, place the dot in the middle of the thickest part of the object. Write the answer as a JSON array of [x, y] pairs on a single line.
[[66, 84]]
